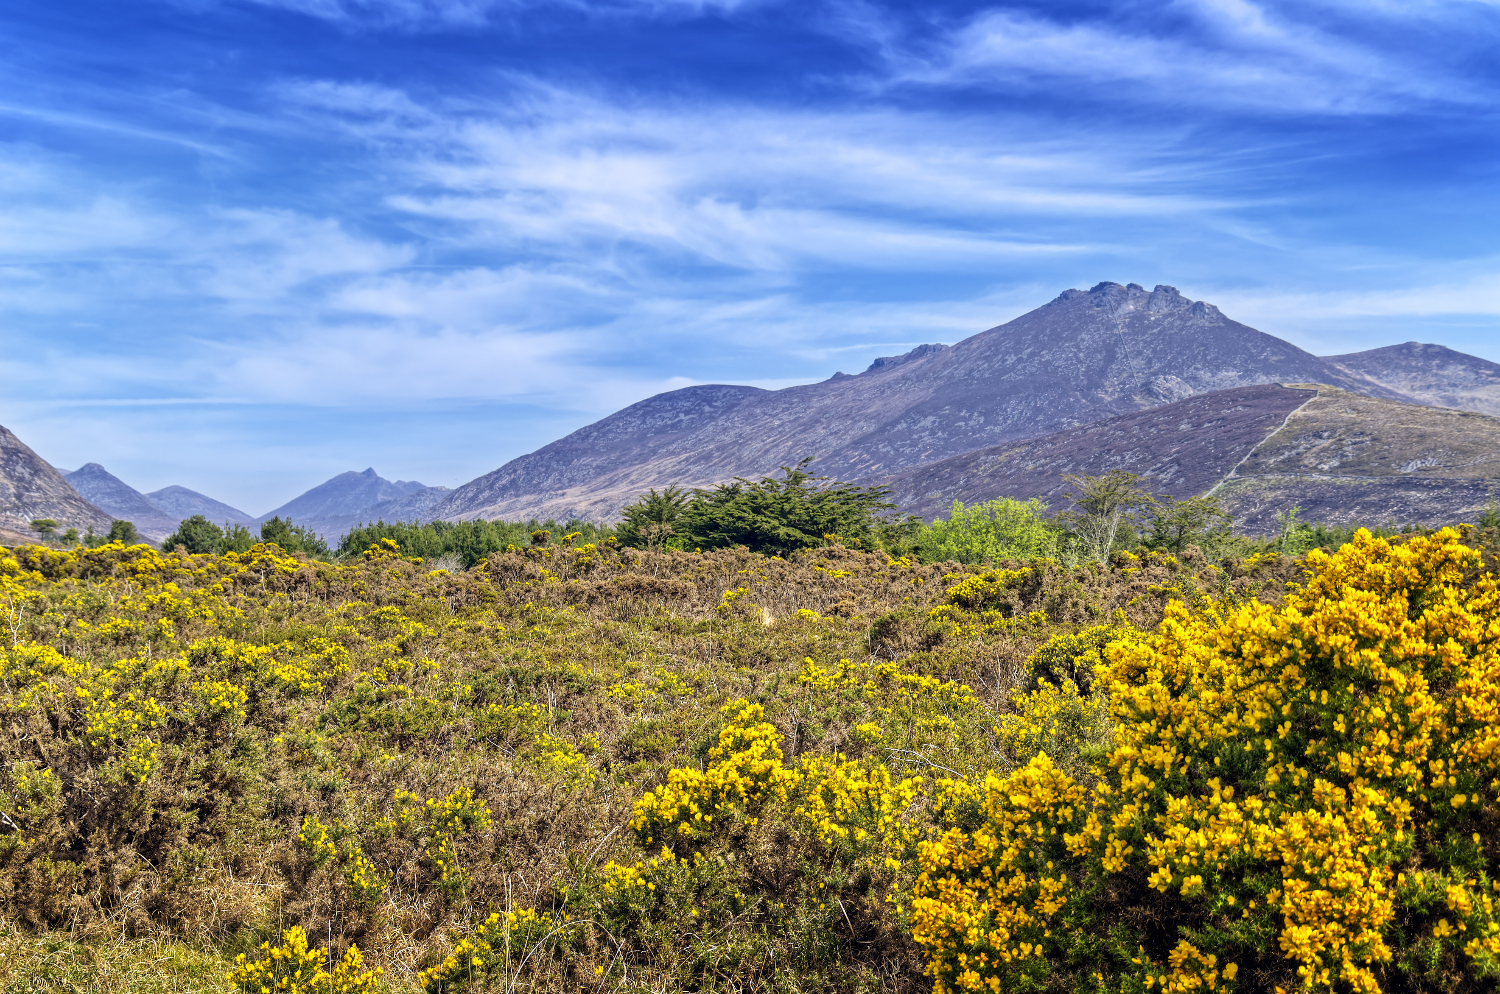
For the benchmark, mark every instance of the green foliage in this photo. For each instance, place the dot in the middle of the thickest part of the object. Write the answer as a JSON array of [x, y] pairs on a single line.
[[43, 526], [1490, 516], [1103, 510], [780, 515], [123, 532], [197, 535], [1177, 523], [471, 542], [651, 520], [292, 538], [996, 529]]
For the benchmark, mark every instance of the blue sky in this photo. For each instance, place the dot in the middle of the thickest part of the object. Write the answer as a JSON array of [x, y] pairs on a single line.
[[245, 245]]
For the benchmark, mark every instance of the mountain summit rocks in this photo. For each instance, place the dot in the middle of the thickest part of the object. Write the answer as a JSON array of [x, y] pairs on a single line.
[[1085, 356]]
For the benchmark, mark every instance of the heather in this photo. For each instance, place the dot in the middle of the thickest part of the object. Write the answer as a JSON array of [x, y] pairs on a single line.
[[581, 765]]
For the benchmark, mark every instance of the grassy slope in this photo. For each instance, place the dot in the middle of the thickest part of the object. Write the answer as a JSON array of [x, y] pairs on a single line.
[[556, 685]]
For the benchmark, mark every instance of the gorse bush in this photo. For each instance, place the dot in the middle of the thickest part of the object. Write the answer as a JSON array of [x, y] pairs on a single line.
[[585, 766]]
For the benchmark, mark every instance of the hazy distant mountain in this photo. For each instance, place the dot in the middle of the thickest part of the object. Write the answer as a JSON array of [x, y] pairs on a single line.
[[333, 507], [1429, 374], [1081, 358], [181, 503], [1181, 449], [31, 488], [109, 493], [347, 493]]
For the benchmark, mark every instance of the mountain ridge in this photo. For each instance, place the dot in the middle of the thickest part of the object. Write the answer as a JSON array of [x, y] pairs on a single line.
[[121, 501], [1082, 357]]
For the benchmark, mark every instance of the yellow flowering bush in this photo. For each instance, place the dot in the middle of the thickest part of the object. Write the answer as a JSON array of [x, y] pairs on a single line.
[[502, 943], [1304, 792], [366, 883], [292, 968], [747, 769]]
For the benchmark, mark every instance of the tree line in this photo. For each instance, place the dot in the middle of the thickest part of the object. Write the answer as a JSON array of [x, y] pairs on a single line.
[[794, 510]]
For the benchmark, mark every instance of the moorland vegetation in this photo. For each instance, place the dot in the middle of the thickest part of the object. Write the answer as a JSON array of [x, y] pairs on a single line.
[[581, 765]]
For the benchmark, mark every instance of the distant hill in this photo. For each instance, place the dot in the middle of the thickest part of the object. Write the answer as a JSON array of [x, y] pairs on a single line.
[[181, 503], [1181, 449], [112, 495], [31, 488], [1346, 458], [337, 505], [1083, 357], [1429, 374]]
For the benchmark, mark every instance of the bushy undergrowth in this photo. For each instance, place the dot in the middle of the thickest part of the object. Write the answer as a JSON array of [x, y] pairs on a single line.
[[587, 767]]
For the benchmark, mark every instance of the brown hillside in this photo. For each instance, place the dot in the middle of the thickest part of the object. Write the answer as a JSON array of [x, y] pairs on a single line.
[[1345, 458], [1180, 449]]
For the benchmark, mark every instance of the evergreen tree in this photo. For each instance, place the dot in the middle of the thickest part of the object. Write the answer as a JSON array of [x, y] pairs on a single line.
[[651, 520], [197, 535], [779, 515]]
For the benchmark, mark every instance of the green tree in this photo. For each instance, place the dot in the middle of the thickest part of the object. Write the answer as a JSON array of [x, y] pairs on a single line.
[[1293, 537], [779, 515], [44, 526], [294, 538], [651, 520], [123, 531], [1176, 524], [1104, 506], [471, 541], [70, 536], [196, 534], [996, 529]]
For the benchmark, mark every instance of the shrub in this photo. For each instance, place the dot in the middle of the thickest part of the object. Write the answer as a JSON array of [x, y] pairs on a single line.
[[995, 530]]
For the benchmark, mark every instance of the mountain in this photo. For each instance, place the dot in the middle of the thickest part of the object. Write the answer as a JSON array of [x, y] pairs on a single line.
[[1345, 458], [181, 503], [347, 493], [1083, 357], [109, 493], [1429, 374], [30, 488], [334, 506], [1183, 448]]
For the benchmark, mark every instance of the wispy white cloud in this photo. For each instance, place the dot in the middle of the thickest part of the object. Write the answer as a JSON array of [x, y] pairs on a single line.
[[1186, 53], [744, 187], [458, 13]]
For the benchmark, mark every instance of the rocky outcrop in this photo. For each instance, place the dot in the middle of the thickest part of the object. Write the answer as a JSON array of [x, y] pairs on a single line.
[[30, 488], [109, 493], [1083, 357]]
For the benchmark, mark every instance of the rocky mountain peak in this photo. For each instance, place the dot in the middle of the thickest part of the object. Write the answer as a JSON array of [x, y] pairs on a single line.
[[892, 361]]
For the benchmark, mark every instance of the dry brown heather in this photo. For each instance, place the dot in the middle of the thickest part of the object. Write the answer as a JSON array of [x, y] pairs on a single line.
[[557, 685]]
